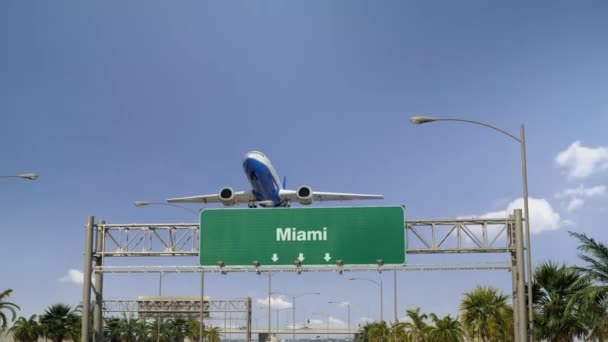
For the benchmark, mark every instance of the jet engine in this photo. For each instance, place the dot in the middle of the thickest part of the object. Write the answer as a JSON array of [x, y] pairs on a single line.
[[227, 196], [304, 194]]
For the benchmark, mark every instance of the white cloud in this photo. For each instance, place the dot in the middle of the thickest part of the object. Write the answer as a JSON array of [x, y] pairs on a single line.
[[581, 191], [365, 320], [542, 216], [575, 203], [581, 161], [335, 323], [276, 303], [74, 276], [576, 196]]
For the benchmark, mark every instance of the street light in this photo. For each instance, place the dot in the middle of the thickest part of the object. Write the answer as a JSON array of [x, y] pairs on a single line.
[[381, 295], [160, 301], [279, 310], [144, 203], [418, 120], [327, 329], [202, 313], [293, 306], [29, 176], [347, 304]]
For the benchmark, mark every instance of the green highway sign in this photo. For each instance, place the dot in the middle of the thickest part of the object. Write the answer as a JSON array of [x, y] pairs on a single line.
[[314, 236]]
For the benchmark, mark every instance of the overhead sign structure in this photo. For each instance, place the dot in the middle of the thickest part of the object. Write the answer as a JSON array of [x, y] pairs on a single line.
[[302, 236]]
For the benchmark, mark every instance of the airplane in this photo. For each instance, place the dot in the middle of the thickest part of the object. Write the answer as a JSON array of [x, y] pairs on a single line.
[[267, 189]]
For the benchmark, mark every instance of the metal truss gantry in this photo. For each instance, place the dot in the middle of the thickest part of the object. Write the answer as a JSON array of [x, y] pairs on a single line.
[[168, 307], [423, 237]]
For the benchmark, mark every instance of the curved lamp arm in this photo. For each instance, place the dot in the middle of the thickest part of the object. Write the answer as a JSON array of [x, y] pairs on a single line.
[[419, 120], [29, 176]]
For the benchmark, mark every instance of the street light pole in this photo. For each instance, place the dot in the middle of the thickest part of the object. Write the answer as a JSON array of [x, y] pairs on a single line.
[[202, 312], [395, 293], [160, 301], [293, 307], [327, 329], [201, 329], [381, 294], [347, 304], [418, 120]]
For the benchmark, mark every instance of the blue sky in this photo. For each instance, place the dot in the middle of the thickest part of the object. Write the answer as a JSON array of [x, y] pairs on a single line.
[[113, 102]]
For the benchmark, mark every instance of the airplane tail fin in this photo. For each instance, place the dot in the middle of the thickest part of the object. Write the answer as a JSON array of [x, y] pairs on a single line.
[[284, 182]]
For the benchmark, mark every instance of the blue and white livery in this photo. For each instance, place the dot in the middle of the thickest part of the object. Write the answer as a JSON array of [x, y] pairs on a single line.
[[267, 190]]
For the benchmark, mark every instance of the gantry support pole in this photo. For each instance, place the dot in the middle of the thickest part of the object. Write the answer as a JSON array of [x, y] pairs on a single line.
[[98, 289], [514, 277], [269, 306], [248, 308], [201, 329], [521, 294], [86, 286]]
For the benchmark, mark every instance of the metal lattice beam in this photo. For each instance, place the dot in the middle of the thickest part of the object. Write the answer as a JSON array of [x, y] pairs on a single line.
[[423, 236]]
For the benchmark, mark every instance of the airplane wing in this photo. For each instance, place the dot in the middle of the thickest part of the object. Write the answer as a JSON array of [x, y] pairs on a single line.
[[337, 196], [239, 197], [292, 195]]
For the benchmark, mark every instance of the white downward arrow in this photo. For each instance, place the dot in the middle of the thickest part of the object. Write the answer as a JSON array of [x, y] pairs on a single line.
[[327, 257], [301, 257], [274, 257]]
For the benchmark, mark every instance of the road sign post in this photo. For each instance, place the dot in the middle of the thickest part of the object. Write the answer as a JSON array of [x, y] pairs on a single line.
[[303, 236]]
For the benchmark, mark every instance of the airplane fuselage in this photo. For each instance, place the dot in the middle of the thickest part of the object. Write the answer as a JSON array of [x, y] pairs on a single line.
[[265, 182]]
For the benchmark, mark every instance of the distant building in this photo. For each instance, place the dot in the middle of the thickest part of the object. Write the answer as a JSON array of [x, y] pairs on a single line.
[[171, 306]]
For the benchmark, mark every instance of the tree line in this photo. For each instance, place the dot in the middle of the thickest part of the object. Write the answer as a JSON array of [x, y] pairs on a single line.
[[61, 322], [568, 302]]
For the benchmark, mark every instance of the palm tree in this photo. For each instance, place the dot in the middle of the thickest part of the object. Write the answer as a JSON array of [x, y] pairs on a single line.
[[446, 329], [11, 307], [62, 322], [486, 314], [397, 332], [595, 254], [173, 330], [212, 334], [193, 329], [26, 330], [560, 314], [377, 332], [599, 325], [417, 328], [361, 335], [112, 329], [594, 298], [128, 329], [143, 329]]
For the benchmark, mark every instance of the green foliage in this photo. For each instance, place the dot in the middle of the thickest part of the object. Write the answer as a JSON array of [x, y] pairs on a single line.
[[446, 329], [486, 315], [61, 322], [6, 306], [26, 330], [129, 329], [416, 328], [397, 332], [559, 312], [212, 334]]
